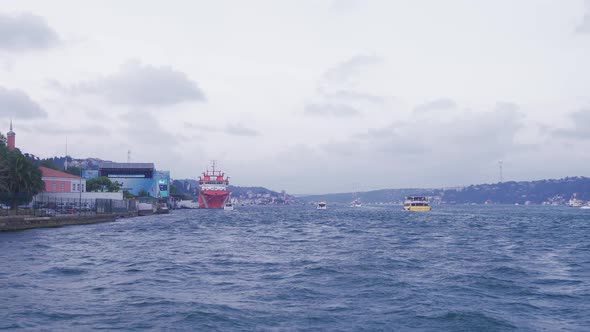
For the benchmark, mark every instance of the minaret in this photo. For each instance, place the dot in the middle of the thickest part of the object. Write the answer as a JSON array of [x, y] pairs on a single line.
[[11, 136]]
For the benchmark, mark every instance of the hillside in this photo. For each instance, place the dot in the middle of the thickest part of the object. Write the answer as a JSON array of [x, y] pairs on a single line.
[[552, 191]]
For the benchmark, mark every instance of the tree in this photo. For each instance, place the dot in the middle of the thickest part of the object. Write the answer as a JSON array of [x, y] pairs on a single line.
[[49, 164], [74, 170], [21, 178], [143, 193], [102, 183]]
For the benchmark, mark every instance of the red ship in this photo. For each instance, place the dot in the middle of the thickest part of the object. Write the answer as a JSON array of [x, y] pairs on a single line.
[[213, 192]]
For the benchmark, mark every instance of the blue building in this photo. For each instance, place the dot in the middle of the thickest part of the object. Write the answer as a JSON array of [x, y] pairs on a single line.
[[137, 177]]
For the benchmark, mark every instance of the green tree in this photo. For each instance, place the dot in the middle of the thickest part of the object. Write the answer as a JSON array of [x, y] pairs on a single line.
[[74, 170], [173, 190], [21, 178], [102, 183], [49, 164], [143, 193]]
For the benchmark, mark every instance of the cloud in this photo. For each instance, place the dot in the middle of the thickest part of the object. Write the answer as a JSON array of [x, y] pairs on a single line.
[[240, 130], [437, 104], [580, 128], [346, 5], [17, 104], [142, 127], [584, 25], [25, 32], [143, 85], [55, 129], [473, 136], [354, 96], [200, 127], [325, 109], [230, 129], [350, 68], [337, 92]]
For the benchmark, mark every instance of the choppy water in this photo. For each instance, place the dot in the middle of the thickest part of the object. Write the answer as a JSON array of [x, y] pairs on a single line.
[[297, 268]]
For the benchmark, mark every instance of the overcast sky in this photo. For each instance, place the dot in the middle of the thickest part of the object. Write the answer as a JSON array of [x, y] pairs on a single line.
[[307, 96]]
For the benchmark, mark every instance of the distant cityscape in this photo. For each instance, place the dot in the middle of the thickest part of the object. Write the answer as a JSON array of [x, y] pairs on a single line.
[[97, 178]]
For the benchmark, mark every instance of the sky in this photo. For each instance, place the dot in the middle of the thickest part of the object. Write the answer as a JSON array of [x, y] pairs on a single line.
[[307, 96]]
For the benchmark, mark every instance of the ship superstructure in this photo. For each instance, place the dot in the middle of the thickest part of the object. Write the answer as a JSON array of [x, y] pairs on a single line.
[[213, 189], [417, 203]]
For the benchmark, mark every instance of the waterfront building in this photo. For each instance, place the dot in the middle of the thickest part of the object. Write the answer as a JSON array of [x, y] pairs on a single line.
[[137, 177], [61, 182]]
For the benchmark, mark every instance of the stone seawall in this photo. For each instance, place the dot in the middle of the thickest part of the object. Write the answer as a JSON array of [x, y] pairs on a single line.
[[27, 222]]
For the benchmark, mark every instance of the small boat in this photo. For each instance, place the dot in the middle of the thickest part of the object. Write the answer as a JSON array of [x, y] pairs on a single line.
[[585, 207], [228, 207], [417, 203], [321, 206], [162, 209], [146, 209], [574, 202], [356, 203]]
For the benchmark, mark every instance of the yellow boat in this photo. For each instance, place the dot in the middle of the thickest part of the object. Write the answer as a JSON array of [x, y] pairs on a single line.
[[417, 203]]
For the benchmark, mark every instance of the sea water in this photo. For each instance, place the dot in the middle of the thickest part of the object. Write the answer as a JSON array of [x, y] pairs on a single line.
[[468, 268]]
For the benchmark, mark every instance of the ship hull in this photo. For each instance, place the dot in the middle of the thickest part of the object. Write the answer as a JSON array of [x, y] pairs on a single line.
[[210, 199]]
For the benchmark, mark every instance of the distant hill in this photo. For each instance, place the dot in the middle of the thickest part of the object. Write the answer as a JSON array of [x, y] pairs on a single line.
[[524, 192], [534, 192]]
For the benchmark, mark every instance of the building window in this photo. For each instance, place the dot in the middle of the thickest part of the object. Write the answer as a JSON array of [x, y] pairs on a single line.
[[54, 186], [82, 187], [63, 186]]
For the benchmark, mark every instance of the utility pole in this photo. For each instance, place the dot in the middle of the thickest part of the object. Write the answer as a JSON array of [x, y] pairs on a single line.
[[80, 189], [66, 163]]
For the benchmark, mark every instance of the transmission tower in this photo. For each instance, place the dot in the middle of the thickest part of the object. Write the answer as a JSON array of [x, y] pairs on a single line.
[[500, 164]]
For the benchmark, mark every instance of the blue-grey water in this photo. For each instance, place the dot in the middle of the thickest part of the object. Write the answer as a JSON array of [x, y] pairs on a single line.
[[472, 268]]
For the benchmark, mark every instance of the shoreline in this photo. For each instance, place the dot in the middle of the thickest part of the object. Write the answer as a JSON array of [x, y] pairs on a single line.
[[18, 223]]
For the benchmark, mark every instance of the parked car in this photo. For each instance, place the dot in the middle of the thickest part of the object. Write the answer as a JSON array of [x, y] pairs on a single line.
[[48, 212]]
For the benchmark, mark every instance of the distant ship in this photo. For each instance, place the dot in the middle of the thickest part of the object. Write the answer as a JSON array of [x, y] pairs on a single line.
[[213, 191], [322, 206], [574, 202], [417, 203], [356, 203]]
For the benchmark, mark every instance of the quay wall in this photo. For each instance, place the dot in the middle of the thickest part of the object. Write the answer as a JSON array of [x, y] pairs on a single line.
[[16, 223]]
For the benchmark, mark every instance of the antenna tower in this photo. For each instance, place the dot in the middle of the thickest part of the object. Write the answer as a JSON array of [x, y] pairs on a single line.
[[66, 162]]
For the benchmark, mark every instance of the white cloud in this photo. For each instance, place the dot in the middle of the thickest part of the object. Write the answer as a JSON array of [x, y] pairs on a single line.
[[144, 85], [25, 32], [584, 25], [17, 104]]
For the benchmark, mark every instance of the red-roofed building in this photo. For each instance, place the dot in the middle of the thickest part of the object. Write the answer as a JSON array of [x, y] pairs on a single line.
[[61, 182]]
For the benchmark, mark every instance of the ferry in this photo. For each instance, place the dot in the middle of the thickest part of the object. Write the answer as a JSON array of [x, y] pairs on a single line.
[[574, 202], [356, 203], [322, 206], [417, 203]]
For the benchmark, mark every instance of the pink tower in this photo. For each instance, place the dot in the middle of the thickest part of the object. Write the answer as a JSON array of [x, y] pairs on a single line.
[[11, 138]]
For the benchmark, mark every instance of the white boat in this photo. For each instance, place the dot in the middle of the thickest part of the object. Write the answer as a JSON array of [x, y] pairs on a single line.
[[322, 206], [574, 202], [356, 203], [228, 207], [187, 204], [585, 207]]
